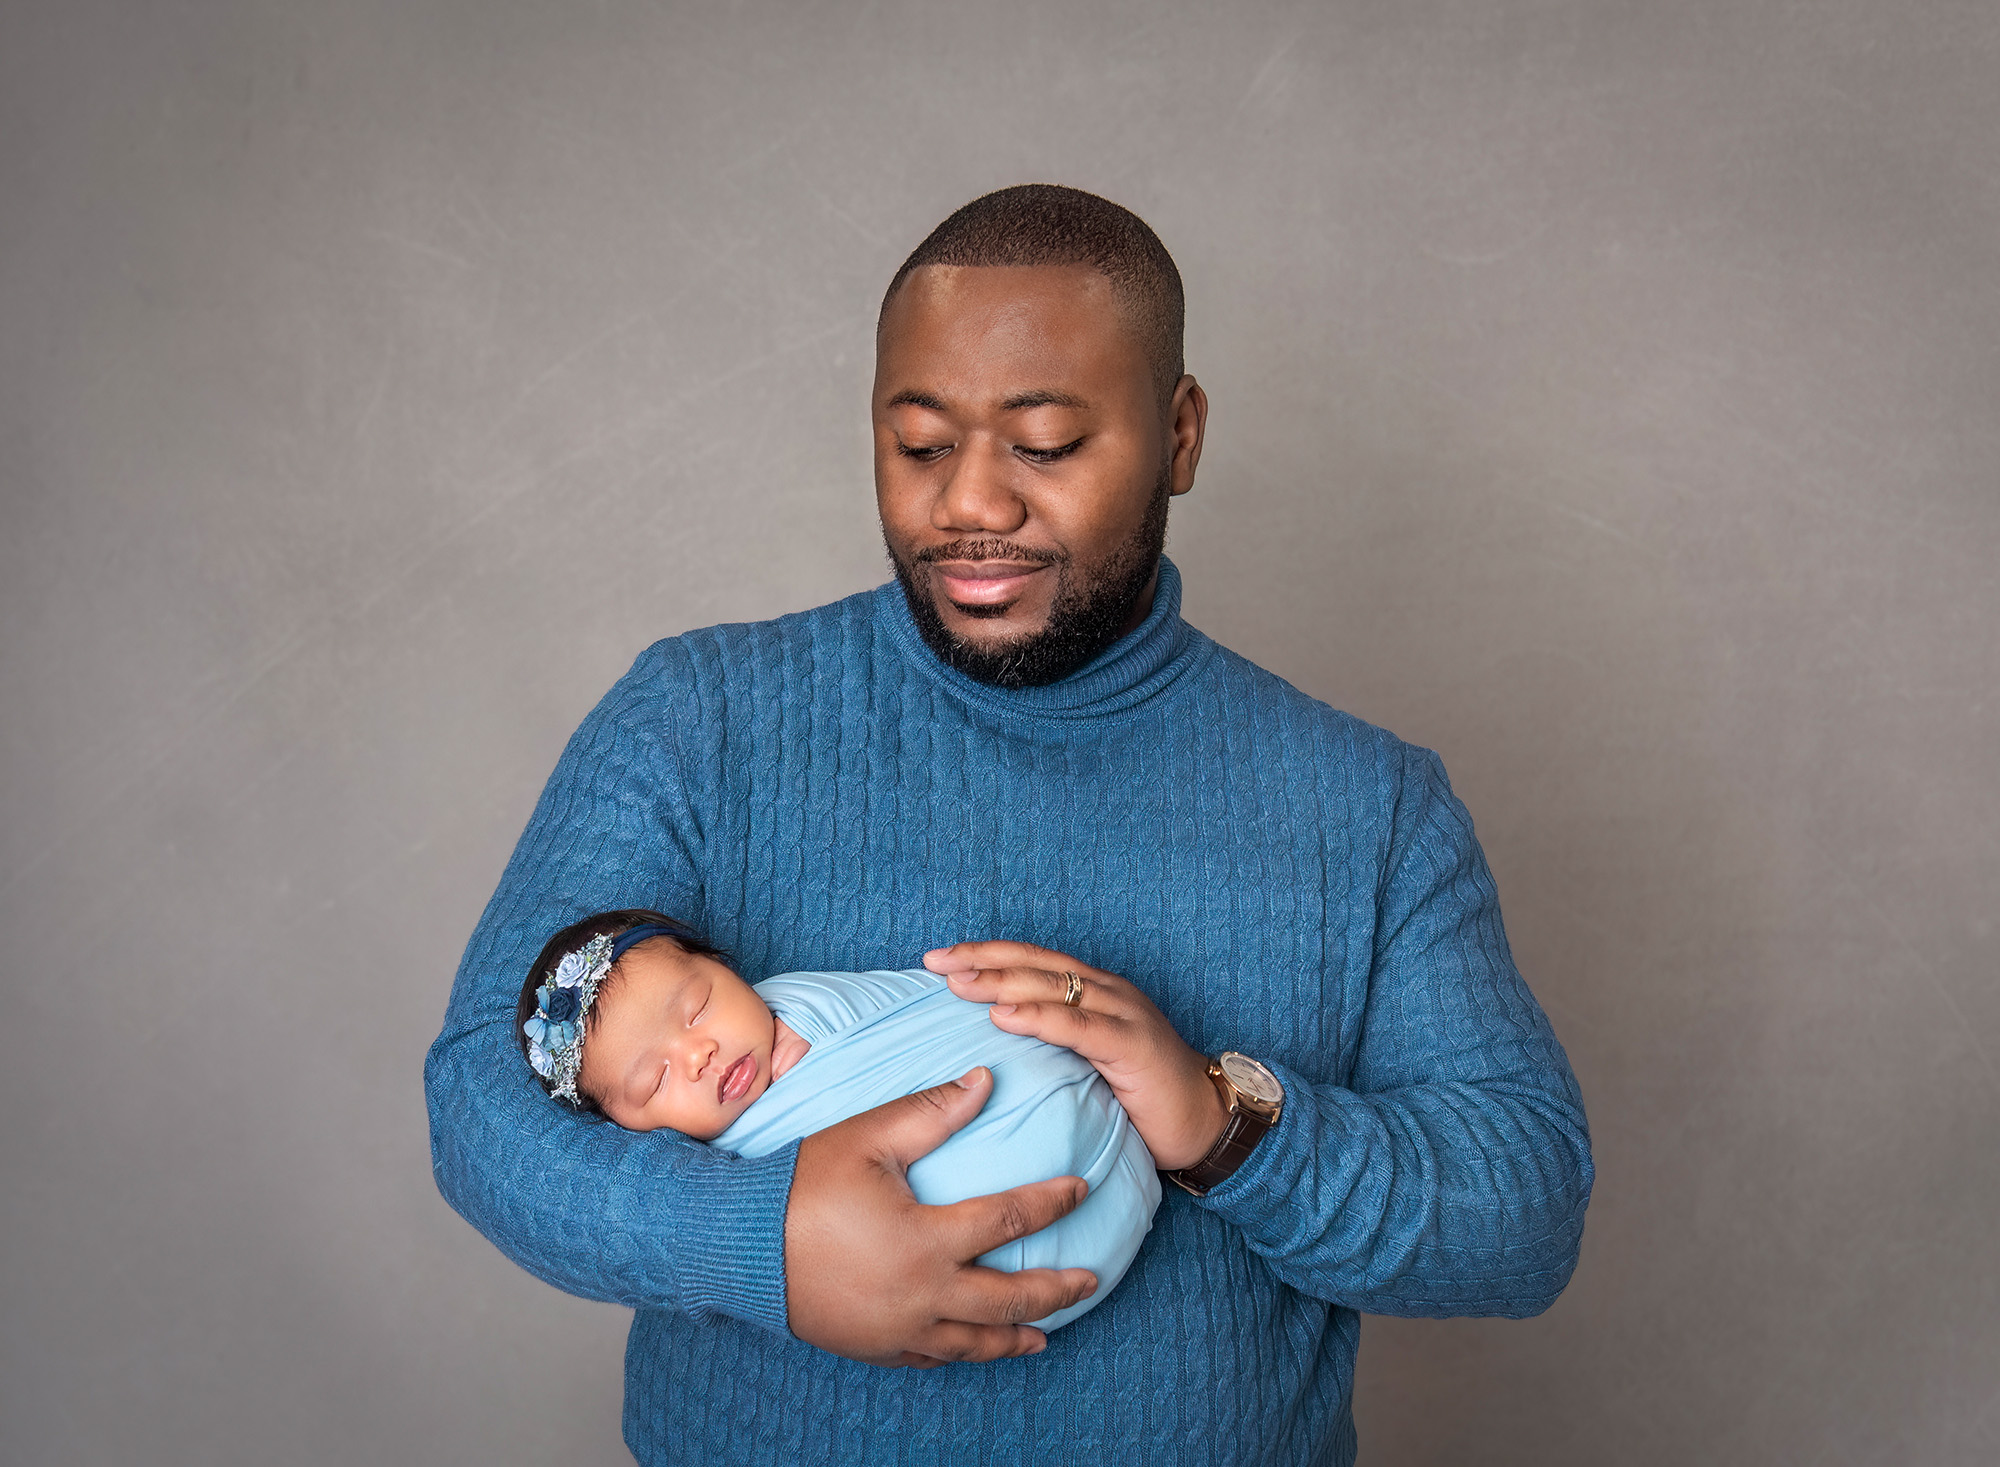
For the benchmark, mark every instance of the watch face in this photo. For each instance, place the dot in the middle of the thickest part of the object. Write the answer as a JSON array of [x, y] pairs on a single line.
[[1251, 1078]]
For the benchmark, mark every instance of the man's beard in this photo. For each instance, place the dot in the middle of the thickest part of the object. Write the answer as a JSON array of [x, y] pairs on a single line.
[[1088, 613]]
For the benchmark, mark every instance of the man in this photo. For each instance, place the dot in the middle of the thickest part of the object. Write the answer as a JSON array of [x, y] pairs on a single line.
[[1266, 923]]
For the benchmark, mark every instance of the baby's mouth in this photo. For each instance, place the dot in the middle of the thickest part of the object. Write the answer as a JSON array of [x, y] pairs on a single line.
[[735, 1081]]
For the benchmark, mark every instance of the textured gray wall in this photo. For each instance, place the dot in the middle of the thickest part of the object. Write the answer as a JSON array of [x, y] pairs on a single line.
[[1604, 394]]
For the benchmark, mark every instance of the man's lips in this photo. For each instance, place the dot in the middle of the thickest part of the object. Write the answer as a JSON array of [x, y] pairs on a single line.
[[984, 582], [735, 1081]]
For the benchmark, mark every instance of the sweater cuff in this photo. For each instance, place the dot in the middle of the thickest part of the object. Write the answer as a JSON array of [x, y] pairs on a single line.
[[728, 1236], [1243, 1198]]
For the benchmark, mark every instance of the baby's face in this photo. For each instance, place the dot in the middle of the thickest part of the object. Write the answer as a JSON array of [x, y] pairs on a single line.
[[676, 1041]]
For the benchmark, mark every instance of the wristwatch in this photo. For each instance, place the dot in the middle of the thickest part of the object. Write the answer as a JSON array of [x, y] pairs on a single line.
[[1254, 1098]]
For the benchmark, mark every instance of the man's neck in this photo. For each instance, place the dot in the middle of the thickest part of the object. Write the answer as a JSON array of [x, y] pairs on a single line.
[[1142, 605]]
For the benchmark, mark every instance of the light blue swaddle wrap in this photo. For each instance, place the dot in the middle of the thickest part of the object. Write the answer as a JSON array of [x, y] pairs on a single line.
[[876, 1036]]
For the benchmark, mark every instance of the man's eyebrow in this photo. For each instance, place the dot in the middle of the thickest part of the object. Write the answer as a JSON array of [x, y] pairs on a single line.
[[1022, 400], [1019, 402]]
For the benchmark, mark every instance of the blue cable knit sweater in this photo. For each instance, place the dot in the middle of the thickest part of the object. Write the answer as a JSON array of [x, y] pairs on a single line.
[[819, 792]]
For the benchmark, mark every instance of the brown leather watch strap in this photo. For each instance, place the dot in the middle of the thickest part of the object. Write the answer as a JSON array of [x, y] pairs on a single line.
[[1239, 1137], [1236, 1142]]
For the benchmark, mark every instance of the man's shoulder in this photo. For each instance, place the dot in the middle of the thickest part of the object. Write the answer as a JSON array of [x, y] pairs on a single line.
[[826, 637], [1284, 708]]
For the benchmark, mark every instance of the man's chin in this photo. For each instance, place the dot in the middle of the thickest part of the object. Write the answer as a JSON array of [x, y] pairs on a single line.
[[982, 622], [985, 648], [972, 613], [983, 640], [1022, 643], [987, 634]]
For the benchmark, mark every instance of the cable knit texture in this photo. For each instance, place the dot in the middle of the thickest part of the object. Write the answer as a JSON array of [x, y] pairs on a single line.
[[819, 792]]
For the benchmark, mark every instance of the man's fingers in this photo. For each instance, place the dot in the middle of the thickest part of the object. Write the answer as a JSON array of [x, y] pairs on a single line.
[[981, 1224], [962, 955], [874, 1276], [1021, 984], [995, 1308], [1099, 1038], [918, 1124], [955, 1340], [990, 1295], [1100, 993]]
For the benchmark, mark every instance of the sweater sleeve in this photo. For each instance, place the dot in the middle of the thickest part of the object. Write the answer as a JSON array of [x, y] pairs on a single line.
[[1451, 1179], [650, 1219]]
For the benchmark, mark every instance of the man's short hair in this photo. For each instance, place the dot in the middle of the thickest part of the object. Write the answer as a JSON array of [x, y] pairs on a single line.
[[1047, 224]]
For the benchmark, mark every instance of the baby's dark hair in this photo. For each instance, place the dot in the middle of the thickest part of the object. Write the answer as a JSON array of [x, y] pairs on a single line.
[[576, 935]]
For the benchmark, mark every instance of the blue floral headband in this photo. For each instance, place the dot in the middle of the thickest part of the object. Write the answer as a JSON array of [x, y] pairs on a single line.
[[555, 1033]]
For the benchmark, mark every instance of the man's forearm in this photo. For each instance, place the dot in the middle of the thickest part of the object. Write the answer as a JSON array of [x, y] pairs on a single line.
[[1434, 1200], [586, 1206]]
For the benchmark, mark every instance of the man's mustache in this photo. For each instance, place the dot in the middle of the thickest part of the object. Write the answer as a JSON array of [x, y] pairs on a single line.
[[988, 549]]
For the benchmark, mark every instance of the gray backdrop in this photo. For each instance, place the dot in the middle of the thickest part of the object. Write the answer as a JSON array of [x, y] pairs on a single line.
[[1604, 395]]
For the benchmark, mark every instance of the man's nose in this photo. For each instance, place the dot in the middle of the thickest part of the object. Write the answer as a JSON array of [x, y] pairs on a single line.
[[976, 496]]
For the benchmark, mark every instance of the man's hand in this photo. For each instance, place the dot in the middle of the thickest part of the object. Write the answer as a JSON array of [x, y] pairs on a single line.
[[875, 1275], [1161, 1081]]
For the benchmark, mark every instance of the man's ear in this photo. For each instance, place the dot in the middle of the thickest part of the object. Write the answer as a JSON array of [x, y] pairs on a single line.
[[1187, 420]]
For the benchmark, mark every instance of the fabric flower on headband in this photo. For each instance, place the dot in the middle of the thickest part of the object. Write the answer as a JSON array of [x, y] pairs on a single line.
[[555, 1033]]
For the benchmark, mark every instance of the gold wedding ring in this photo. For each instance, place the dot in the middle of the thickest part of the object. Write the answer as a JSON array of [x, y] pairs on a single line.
[[1073, 997]]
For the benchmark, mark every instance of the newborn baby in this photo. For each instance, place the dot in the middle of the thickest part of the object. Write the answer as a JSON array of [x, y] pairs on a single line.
[[676, 1040]]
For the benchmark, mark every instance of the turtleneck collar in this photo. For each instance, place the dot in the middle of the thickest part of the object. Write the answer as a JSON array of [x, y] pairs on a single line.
[[1139, 666]]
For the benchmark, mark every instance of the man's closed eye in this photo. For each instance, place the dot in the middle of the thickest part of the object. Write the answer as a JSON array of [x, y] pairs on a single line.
[[1048, 455]]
